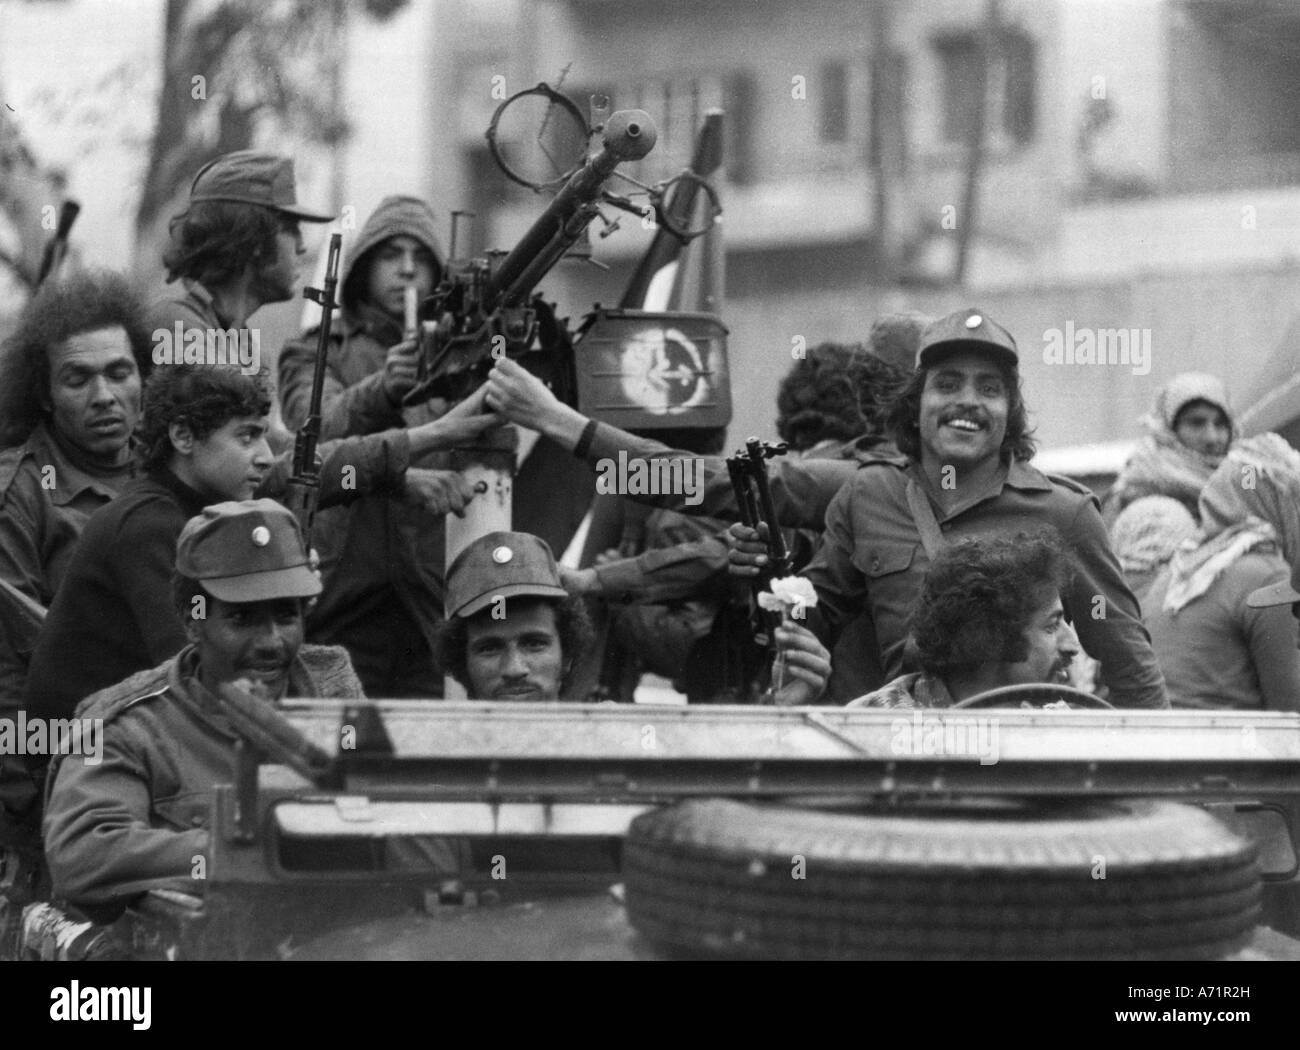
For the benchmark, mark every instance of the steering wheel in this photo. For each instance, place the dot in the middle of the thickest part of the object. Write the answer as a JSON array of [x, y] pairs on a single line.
[[1036, 694]]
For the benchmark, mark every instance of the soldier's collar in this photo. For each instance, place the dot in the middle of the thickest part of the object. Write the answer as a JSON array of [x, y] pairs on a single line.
[[1020, 475]]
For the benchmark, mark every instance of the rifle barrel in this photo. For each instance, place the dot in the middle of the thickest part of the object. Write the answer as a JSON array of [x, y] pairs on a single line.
[[57, 247], [325, 297], [780, 562]]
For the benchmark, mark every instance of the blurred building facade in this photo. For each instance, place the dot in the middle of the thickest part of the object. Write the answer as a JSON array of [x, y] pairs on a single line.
[[1141, 168]]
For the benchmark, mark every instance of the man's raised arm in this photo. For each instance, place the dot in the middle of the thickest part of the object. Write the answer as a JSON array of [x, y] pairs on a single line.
[[801, 489]]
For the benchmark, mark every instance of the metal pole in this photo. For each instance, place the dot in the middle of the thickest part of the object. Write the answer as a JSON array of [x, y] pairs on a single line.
[[490, 468]]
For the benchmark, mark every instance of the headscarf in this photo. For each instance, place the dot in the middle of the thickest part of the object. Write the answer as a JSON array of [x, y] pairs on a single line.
[[1253, 498], [1185, 388], [1161, 465], [1148, 532]]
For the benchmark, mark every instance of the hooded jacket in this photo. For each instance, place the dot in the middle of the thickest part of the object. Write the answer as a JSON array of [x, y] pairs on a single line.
[[354, 400], [382, 560]]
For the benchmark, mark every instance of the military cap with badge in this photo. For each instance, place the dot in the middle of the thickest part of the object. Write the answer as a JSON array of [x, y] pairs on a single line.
[[247, 551], [969, 329], [505, 565]]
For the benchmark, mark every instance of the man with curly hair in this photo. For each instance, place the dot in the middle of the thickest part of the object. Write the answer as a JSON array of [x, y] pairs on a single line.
[[70, 382], [989, 616], [204, 439], [833, 396]]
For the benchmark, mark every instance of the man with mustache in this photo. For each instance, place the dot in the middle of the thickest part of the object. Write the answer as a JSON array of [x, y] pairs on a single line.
[[513, 633], [138, 819], [989, 616], [204, 439], [962, 427]]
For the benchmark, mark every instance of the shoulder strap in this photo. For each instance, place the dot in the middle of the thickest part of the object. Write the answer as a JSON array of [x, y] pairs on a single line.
[[923, 515]]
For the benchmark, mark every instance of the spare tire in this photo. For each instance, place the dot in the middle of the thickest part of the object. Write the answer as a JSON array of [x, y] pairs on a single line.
[[1019, 879]]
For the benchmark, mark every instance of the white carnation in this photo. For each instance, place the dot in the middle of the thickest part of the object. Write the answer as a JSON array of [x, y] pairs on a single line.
[[789, 592]]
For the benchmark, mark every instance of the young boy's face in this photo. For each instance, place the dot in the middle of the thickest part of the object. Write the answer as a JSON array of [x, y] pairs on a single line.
[[232, 461], [396, 263]]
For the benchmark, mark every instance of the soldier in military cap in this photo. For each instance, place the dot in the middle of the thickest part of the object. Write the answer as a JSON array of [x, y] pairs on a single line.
[[514, 633], [238, 245], [138, 819]]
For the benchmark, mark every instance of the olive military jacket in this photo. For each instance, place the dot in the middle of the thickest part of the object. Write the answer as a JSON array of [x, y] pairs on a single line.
[[872, 556], [138, 819]]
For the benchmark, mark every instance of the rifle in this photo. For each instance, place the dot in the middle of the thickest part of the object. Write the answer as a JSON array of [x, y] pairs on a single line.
[[484, 312], [748, 471], [304, 486], [272, 735], [57, 247]]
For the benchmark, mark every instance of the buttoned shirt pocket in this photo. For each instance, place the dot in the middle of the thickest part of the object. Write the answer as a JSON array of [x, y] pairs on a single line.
[[190, 809], [880, 560]]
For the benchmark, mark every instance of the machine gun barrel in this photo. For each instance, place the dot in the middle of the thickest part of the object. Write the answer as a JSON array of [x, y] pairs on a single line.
[[629, 135], [483, 308]]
